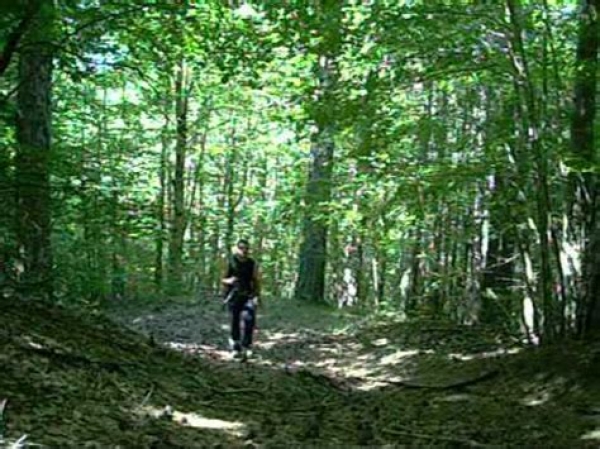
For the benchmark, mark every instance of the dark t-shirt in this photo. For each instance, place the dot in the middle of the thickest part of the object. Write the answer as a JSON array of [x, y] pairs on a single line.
[[243, 270]]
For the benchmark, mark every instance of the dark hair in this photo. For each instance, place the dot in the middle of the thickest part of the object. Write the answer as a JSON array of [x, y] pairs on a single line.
[[243, 242]]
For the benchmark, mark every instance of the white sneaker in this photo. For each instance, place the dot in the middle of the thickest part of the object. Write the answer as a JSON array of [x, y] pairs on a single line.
[[234, 345], [247, 353]]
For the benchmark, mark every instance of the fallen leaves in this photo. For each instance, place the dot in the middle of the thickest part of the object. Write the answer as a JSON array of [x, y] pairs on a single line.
[[60, 384]]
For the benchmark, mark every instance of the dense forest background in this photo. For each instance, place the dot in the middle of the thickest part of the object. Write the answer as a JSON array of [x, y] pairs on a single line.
[[420, 158]]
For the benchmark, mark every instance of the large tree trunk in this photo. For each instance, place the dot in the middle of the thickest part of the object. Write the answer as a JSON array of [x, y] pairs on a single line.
[[312, 261], [587, 200], [33, 158], [313, 250]]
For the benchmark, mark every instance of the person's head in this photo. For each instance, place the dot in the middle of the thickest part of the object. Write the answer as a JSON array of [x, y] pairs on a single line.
[[242, 247]]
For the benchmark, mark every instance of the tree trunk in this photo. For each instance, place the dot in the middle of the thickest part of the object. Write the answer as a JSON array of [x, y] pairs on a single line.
[[229, 187], [160, 217], [179, 222], [323, 107], [473, 312], [499, 257], [499, 266], [587, 199], [118, 226], [200, 222], [415, 290], [118, 268], [92, 228], [531, 126], [33, 158], [313, 250]]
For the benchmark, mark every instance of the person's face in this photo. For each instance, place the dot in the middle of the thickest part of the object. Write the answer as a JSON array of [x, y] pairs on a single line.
[[243, 249]]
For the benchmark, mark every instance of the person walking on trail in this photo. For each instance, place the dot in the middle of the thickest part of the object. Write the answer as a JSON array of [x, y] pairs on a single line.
[[242, 292]]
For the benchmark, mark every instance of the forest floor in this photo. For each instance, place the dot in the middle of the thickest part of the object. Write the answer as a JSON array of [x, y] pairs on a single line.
[[321, 378]]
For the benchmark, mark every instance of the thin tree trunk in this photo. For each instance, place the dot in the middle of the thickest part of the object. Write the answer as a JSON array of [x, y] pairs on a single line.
[[91, 228], [473, 312], [160, 216], [456, 284], [117, 226], [531, 124], [229, 186], [179, 222], [199, 223], [416, 273]]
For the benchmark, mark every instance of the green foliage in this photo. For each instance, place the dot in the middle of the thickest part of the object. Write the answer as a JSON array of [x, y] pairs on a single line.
[[433, 163]]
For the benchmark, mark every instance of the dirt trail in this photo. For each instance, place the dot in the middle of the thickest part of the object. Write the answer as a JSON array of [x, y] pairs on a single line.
[[321, 378], [438, 383], [316, 339]]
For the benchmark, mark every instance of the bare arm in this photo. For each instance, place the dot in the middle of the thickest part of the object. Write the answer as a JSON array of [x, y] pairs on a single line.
[[228, 279]]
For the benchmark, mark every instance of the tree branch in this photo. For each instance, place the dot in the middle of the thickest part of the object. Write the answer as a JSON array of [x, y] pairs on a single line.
[[13, 40]]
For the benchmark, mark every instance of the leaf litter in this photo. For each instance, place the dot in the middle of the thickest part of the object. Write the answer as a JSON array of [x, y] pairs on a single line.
[[157, 375]]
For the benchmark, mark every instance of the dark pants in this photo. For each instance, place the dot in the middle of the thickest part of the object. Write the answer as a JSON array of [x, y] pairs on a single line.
[[242, 308]]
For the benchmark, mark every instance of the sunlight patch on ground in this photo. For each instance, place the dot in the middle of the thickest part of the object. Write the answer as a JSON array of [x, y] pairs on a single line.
[[543, 393], [326, 349], [373, 383], [484, 355], [282, 336], [185, 347], [326, 363], [535, 400], [191, 348], [380, 342], [454, 398], [32, 343], [357, 370], [369, 373], [593, 435], [204, 350], [273, 339], [195, 420], [200, 422], [396, 357], [354, 346], [333, 366]]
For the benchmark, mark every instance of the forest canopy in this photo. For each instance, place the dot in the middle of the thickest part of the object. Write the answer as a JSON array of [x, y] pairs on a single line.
[[423, 158]]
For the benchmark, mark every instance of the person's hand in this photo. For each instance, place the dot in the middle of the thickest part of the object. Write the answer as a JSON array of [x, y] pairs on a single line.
[[230, 281], [255, 301]]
